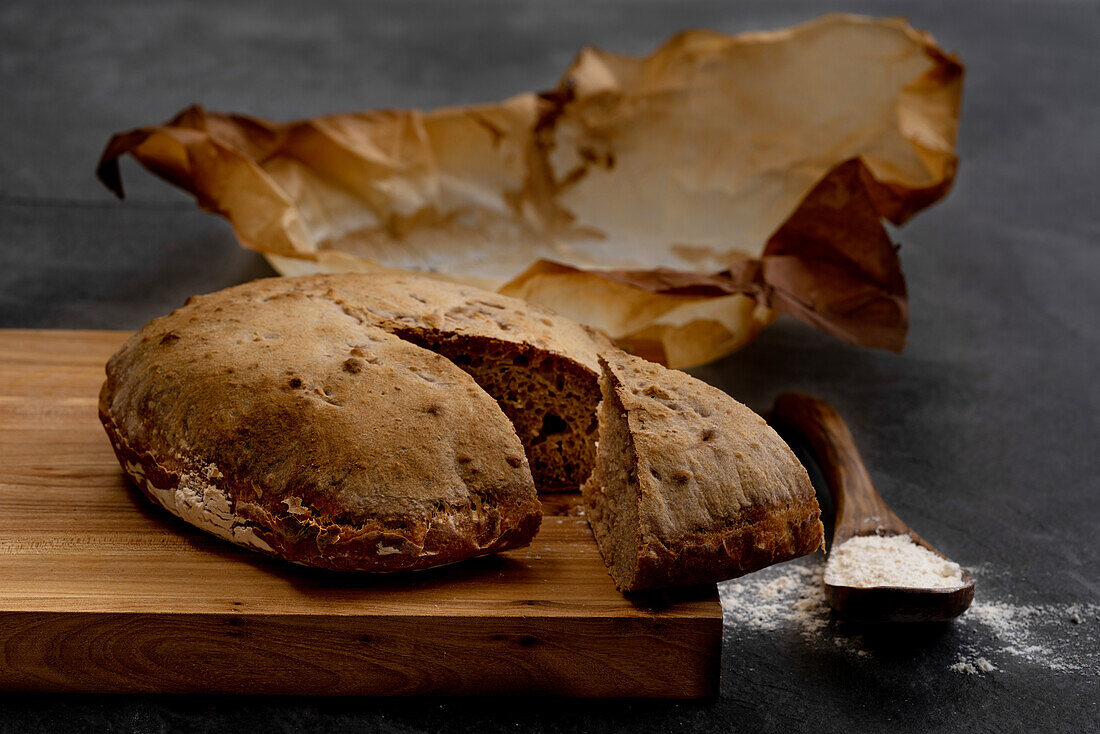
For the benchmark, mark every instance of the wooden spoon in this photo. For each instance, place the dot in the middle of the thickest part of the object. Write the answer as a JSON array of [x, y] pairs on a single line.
[[860, 510]]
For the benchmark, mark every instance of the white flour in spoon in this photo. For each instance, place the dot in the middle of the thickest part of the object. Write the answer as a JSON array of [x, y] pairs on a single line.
[[874, 560]]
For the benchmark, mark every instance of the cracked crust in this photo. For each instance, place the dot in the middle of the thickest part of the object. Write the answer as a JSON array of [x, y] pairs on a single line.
[[690, 485], [292, 426]]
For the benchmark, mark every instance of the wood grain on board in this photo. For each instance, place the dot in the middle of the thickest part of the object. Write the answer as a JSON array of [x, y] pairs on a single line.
[[102, 591]]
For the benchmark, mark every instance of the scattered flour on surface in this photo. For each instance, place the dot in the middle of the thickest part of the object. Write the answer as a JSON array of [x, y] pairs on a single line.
[[785, 597], [978, 665], [894, 560], [996, 634], [1052, 636]]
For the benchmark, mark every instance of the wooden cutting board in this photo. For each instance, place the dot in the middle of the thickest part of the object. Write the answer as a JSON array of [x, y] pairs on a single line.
[[101, 591]]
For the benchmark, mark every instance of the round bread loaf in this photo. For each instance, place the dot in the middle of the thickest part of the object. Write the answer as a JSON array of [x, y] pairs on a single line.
[[283, 419]]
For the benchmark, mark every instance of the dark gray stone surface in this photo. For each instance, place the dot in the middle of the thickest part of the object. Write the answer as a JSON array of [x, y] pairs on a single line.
[[983, 434]]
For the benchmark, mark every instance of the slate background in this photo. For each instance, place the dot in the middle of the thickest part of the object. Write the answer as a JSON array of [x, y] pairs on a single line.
[[983, 434]]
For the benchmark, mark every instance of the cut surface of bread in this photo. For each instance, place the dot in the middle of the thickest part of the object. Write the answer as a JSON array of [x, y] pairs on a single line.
[[611, 493], [540, 367], [284, 421], [691, 486], [548, 398]]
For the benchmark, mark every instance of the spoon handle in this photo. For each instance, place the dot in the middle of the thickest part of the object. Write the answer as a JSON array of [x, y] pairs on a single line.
[[860, 509]]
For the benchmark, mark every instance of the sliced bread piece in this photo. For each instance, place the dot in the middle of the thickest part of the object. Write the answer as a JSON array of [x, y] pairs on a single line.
[[283, 421], [691, 486]]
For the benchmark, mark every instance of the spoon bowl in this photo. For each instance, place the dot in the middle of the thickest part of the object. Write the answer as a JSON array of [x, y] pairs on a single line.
[[861, 511], [901, 603]]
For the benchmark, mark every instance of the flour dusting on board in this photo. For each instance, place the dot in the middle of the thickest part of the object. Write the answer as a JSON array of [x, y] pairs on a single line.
[[995, 636]]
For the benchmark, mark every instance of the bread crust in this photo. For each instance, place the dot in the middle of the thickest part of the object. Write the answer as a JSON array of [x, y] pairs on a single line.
[[450, 318], [282, 421], [719, 493], [409, 306]]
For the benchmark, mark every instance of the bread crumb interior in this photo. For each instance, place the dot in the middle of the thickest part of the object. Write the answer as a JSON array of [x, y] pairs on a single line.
[[547, 398]]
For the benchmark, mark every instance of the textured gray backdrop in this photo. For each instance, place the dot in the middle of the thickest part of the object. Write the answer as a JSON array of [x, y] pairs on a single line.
[[983, 434]]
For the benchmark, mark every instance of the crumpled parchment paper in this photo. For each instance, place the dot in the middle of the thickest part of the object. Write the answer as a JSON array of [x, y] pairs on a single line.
[[678, 201]]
